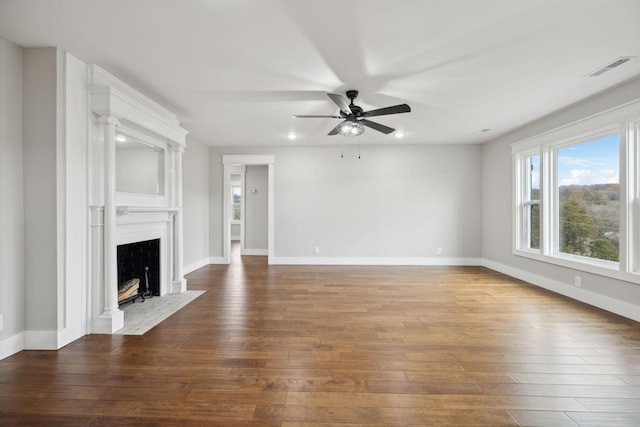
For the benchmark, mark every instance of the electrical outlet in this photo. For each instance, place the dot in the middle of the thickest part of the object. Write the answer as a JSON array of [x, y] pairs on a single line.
[[577, 281], [316, 250], [438, 251]]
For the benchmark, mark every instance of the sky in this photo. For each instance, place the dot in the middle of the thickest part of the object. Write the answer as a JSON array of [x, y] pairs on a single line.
[[592, 162]]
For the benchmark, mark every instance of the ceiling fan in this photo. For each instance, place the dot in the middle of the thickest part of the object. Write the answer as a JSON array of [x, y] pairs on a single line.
[[354, 118]]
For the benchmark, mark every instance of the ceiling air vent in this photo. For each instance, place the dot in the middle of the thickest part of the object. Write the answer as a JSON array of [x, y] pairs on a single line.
[[616, 63]]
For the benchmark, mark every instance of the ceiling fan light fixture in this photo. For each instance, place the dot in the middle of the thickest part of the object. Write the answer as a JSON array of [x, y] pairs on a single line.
[[352, 128]]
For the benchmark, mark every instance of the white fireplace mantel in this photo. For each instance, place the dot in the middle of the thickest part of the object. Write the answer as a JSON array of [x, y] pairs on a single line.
[[117, 108]]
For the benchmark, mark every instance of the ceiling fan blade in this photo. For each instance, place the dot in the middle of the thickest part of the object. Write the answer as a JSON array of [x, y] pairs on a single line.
[[341, 103], [402, 108], [336, 129], [377, 126], [306, 116]]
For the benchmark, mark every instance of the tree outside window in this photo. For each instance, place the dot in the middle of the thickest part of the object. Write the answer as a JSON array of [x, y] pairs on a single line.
[[236, 194], [588, 187]]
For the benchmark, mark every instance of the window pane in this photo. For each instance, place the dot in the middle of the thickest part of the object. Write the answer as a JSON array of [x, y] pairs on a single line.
[[532, 210], [534, 226], [589, 198], [236, 193], [534, 177]]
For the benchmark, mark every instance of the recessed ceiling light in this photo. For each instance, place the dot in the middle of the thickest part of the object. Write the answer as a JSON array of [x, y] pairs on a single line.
[[292, 136], [399, 135], [121, 138]]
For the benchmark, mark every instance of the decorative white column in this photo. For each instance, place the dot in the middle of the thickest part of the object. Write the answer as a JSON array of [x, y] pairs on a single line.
[[112, 318], [178, 283]]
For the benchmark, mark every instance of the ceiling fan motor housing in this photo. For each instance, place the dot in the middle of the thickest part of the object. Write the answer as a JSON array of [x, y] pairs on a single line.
[[357, 111]]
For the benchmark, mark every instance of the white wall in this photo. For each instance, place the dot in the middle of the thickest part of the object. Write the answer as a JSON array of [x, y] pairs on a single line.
[[195, 201], [497, 210], [256, 212], [394, 204], [11, 199]]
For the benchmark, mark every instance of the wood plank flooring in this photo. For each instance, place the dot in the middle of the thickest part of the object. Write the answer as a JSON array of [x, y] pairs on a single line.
[[343, 346]]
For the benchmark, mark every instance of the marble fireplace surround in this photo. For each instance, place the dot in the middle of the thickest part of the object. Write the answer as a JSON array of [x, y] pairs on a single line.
[[118, 218]]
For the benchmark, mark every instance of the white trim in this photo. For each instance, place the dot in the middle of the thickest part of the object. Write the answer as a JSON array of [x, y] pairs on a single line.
[[196, 265], [439, 261], [11, 345], [581, 128], [603, 302], [258, 252], [247, 159], [217, 260], [230, 164], [111, 96], [41, 340], [590, 265], [270, 212]]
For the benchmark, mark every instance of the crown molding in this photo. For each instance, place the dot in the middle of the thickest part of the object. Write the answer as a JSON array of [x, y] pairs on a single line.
[[110, 97]]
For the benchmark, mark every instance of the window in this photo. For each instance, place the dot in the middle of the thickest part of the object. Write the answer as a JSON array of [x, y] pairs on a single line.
[[236, 197], [588, 191], [576, 195], [531, 214]]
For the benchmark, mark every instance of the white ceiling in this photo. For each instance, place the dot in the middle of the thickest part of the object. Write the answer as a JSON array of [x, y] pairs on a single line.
[[234, 71]]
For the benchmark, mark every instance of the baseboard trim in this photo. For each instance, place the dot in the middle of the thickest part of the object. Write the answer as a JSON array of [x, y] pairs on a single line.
[[621, 308], [256, 252], [375, 261], [12, 345], [196, 265], [41, 340]]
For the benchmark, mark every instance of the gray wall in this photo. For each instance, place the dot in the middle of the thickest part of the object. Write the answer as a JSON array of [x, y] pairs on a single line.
[[255, 207], [497, 205], [140, 170], [393, 201], [11, 192], [40, 186], [195, 202]]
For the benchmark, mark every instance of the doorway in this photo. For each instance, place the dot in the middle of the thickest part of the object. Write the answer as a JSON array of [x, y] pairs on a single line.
[[264, 165]]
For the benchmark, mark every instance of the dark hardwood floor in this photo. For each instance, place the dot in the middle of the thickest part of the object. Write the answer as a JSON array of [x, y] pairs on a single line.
[[343, 346]]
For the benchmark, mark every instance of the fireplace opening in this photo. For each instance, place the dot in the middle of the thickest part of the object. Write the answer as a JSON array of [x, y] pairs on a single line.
[[138, 270]]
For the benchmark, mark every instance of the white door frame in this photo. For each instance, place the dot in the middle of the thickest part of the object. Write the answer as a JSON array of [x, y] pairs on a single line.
[[245, 160]]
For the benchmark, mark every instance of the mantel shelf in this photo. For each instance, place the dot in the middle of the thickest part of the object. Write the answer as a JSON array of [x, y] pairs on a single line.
[[123, 210]]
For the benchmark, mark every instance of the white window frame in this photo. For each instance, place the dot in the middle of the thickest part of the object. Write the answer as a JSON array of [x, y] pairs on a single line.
[[233, 205], [524, 202], [624, 121]]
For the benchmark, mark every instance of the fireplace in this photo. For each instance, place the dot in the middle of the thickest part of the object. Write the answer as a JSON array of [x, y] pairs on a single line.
[[138, 270], [124, 214]]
